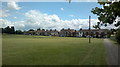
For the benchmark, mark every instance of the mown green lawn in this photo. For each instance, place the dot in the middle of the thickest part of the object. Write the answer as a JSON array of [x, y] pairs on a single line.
[[46, 50]]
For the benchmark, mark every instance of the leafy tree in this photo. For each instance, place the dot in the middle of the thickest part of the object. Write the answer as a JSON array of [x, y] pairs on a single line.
[[18, 32], [7, 30], [12, 30], [80, 28], [38, 29], [31, 30], [107, 14], [118, 36], [43, 29], [97, 26]]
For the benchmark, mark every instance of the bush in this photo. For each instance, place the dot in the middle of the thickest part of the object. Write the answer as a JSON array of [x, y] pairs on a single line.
[[118, 36]]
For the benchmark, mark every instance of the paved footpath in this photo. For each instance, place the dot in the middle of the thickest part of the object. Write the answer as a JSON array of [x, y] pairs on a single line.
[[112, 52]]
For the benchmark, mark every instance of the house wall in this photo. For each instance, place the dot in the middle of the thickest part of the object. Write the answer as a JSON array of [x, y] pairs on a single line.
[[71, 33]]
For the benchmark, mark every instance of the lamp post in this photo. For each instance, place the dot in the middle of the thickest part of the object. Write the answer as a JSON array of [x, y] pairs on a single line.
[[89, 30]]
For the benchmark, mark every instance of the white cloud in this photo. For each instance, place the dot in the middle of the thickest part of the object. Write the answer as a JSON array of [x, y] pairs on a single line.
[[72, 15], [13, 5], [4, 13], [35, 19], [4, 23], [108, 26], [17, 24], [62, 9], [15, 17], [118, 19]]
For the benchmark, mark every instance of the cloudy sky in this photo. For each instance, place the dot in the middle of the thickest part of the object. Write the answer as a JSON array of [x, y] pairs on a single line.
[[47, 15]]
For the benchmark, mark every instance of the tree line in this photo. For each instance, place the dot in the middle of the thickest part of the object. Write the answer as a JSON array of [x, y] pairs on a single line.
[[10, 30]]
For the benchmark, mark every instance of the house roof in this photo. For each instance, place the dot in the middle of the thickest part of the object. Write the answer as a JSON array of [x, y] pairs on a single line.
[[100, 30]]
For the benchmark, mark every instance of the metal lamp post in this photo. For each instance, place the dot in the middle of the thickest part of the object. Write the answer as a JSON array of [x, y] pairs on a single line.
[[89, 30]]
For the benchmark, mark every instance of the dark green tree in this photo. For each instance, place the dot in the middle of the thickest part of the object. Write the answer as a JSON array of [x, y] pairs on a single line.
[[7, 30], [12, 30], [38, 29], [18, 32], [43, 29], [31, 30], [118, 36], [107, 14], [80, 28], [97, 26]]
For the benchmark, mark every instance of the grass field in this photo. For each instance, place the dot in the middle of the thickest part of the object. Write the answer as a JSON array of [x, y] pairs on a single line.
[[46, 50]]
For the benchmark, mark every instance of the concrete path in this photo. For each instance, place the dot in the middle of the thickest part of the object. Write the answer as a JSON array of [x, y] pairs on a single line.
[[112, 52]]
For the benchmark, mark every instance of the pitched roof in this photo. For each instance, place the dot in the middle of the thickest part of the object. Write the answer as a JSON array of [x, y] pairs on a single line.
[[95, 30]]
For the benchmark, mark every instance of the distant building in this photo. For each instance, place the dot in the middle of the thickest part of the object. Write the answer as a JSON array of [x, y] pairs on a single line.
[[95, 33], [67, 32], [40, 32], [54, 32], [29, 32]]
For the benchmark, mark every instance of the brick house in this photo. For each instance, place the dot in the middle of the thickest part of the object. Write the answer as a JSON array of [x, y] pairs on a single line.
[[95, 33], [67, 32], [40, 32], [47, 32], [29, 32], [54, 32]]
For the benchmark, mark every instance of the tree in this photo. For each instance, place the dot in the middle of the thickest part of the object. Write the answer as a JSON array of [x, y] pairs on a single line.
[[31, 30], [97, 26], [118, 36], [18, 32], [43, 29], [38, 29], [12, 30], [107, 14], [7, 30], [80, 28]]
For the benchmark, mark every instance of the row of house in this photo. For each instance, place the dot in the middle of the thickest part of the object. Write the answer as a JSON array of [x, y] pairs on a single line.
[[95, 33]]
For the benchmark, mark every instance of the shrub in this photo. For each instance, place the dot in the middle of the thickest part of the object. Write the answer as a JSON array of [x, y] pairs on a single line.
[[118, 36]]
